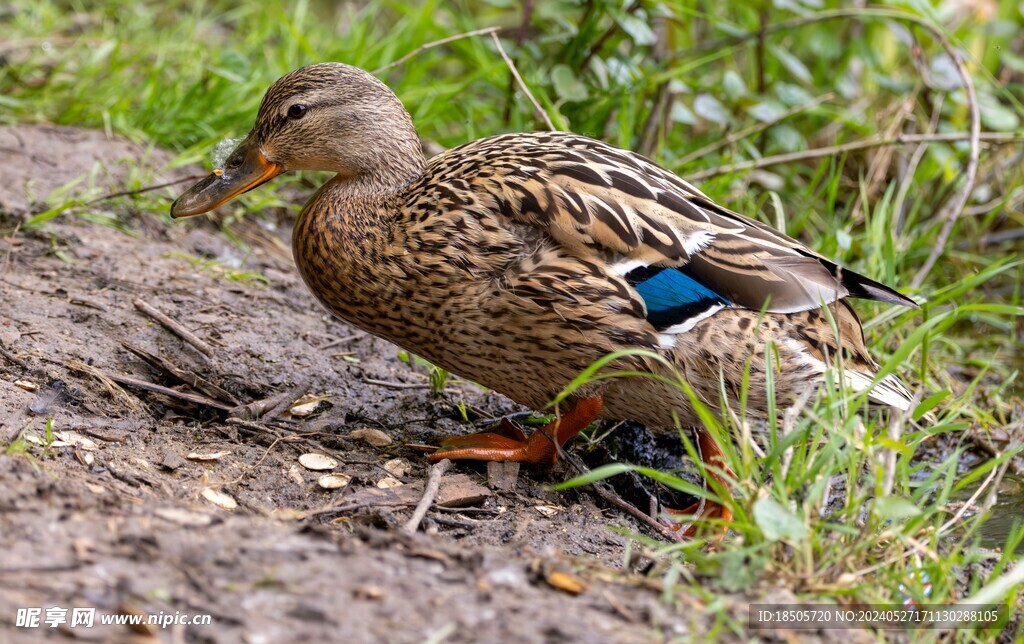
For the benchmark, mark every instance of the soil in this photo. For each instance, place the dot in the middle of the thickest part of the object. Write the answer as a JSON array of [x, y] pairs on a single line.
[[124, 504]]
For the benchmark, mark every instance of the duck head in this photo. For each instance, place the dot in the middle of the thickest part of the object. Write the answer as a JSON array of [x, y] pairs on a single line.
[[328, 116]]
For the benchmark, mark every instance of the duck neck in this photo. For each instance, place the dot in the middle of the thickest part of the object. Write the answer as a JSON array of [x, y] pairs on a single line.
[[379, 169], [341, 241]]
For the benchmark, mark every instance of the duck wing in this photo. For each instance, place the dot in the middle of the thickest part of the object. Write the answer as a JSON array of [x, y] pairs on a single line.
[[594, 198]]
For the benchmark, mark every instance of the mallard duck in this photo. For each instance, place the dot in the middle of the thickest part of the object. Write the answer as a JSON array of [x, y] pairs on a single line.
[[518, 260]]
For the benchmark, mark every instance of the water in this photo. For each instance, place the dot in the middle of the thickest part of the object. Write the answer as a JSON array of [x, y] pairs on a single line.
[[1007, 514], [223, 149]]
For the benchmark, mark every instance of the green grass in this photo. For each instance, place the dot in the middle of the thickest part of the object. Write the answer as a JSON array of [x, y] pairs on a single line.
[[185, 76]]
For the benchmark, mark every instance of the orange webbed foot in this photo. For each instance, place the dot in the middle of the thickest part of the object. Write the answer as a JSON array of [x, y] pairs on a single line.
[[510, 443], [704, 510], [696, 515]]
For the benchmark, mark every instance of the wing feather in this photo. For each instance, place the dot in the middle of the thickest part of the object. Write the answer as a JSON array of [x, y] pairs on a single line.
[[592, 197]]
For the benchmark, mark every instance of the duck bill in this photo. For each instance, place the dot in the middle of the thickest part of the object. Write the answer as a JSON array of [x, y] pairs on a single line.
[[251, 170]]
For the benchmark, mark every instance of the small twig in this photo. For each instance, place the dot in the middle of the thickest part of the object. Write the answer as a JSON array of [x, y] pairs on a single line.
[[429, 494], [278, 439], [993, 494], [597, 46], [105, 379], [7, 256], [968, 503], [465, 523], [878, 167], [760, 49], [889, 458], [258, 428], [659, 118], [607, 495], [437, 43], [347, 505], [524, 25], [395, 385], [283, 401], [956, 205], [911, 169], [273, 406], [185, 376], [739, 135], [20, 43], [174, 327], [145, 385], [127, 193], [13, 359], [521, 82], [853, 146], [1001, 237], [336, 342]]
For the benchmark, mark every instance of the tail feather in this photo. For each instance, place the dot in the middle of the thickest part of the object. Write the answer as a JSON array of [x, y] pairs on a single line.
[[890, 390]]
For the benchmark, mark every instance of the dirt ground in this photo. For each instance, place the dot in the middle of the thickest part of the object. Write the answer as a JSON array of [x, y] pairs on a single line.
[[125, 505]]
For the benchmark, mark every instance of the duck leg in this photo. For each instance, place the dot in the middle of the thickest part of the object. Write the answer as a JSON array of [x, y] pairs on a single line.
[[509, 442], [711, 454]]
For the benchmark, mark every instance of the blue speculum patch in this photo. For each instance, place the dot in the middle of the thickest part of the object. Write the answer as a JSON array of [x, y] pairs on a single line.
[[672, 296]]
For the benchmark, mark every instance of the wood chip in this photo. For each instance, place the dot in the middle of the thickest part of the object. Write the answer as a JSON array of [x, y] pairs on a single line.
[[374, 437], [220, 499], [98, 490], [375, 593], [317, 462], [182, 517], [459, 491], [107, 435], [77, 440], [27, 385], [211, 456], [565, 582], [296, 475], [548, 510], [388, 482], [398, 467], [333, 481], [306, 405]]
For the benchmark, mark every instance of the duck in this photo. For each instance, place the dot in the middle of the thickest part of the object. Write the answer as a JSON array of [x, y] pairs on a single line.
[[519, 260]]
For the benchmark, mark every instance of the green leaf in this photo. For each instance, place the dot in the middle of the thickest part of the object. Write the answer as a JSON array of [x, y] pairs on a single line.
[[791, 94], [599, 474], [895, 507], [682, 114], [734, 86], [567, 85], [45, 216], [787, 137], [777, 523], [996, 116], [792, 63], [638, 29], [930, 403], [766, 110], [711, 109]]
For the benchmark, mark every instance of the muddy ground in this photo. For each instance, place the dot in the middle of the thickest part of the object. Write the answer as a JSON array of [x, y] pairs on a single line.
[[125, 504]]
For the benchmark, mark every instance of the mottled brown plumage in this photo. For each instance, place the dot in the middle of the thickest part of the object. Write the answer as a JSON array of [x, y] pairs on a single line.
[[519, 260]]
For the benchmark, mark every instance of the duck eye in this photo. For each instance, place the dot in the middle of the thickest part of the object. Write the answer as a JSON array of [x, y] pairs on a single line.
[[297, 111]]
